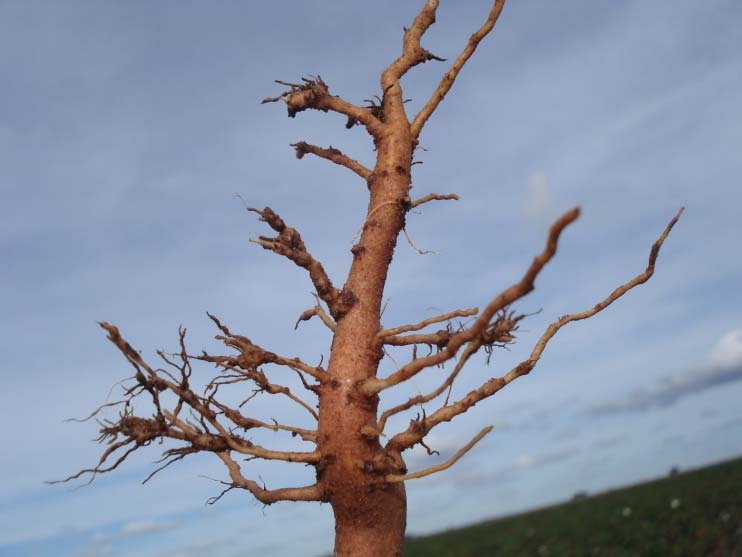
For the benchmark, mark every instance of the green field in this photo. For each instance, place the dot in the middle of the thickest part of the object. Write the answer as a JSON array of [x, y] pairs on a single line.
[[693, 514]]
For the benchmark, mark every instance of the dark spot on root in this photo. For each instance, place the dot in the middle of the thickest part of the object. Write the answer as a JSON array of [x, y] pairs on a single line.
[[357, 250]]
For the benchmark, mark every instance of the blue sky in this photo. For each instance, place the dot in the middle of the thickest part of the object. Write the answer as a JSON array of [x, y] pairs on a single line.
[[127, 128]]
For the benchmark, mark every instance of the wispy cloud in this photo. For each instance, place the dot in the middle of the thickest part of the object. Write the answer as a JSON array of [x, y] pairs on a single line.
[[97, 551], [145, 527], [102, 543], [724, 365], [539, 202], [727, 352], [523, 462], [210, 547], [609, 442], [535, 461]]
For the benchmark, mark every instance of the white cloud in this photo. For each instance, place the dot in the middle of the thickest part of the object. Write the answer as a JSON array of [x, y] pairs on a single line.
[[524, 461], [102, 542], [539, 202], [101, 538], [724, 366], [727, 352], [543, 459], [99, 551], [146, 526]]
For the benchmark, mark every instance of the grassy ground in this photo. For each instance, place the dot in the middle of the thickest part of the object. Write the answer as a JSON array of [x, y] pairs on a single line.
[[693, 514]]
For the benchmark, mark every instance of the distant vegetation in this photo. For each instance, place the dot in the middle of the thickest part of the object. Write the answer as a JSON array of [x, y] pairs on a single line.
[[692, 514]]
